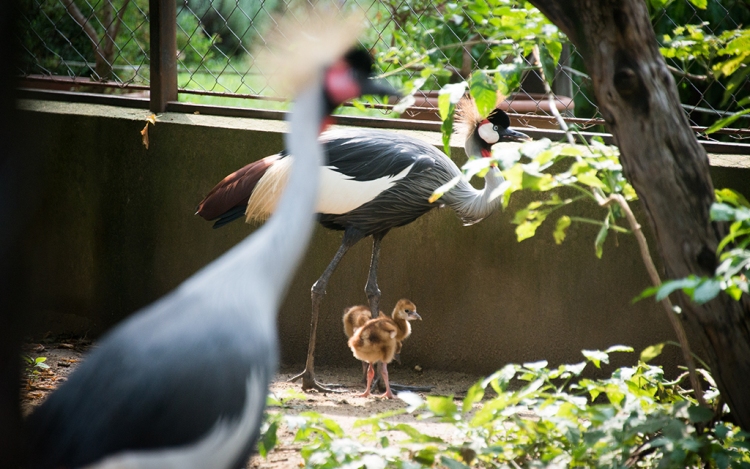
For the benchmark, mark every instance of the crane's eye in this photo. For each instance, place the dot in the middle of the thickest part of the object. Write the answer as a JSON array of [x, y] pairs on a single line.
[[494, 127]]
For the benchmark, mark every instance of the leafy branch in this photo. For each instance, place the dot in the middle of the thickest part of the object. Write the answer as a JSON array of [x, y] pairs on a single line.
[[731, 275], [534, 415]]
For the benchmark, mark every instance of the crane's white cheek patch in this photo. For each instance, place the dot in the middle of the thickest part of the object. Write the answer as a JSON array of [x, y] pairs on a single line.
[[340, 193], [488, 133]]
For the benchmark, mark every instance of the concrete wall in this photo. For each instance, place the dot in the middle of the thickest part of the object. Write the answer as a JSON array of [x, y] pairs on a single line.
[[115, 230]]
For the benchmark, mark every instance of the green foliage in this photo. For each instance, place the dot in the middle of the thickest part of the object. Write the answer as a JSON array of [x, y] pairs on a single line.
[[34, 365], [724, 56], [437, 42], [533, 415], [566, 174], [731, 275]]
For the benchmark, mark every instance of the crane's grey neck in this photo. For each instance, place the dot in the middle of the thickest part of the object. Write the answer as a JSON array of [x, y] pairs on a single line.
[[263, 264], [470, 204], [473, 145], [291, 226]]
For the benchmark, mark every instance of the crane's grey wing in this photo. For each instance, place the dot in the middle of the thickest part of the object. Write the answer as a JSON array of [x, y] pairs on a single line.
[[370, 154], [367, 154], [135, 394]]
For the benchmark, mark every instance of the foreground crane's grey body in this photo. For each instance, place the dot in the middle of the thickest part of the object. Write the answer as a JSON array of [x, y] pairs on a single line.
[[183, 382], [189, 373], [372, 181]]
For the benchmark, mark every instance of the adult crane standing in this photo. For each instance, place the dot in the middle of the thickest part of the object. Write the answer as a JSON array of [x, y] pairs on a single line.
[[183, 382], [373, 181]]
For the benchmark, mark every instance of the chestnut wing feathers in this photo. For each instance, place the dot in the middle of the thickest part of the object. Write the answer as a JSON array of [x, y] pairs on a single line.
[[234, 191]]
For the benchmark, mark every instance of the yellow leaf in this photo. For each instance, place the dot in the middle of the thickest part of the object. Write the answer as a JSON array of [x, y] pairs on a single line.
[[144, 136], [144, 133]]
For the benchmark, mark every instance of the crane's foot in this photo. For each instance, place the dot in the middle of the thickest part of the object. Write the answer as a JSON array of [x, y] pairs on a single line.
[[309, 383]]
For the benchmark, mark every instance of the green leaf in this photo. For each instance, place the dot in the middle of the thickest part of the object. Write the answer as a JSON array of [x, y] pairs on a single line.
[[483, 91], [475, 166], [549, 55], [699, 414], [412, 400], [734, 198], [542, 182], [619, 348], [590, 179], [670, 286], [702, 4], [508, 78], [721, 123], [426, 455], [268, 440], [404, 103], [415, 435], [444, 188], [448, 97], [41, 364], [527, 229], [651, 352], [451, 463], [441, 405], [473, 395], [706, 291], [722, 212], [560, 229], [533, 148], [596, 357]]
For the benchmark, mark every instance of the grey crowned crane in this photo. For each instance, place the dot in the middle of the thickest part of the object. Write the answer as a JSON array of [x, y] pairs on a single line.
[[183, 382], [373, 181]]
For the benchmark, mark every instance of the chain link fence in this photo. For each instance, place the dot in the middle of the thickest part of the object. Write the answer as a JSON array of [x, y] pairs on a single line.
[[102, 46]]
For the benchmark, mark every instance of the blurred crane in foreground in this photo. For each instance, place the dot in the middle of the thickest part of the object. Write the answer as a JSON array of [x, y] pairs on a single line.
[[183, 382]]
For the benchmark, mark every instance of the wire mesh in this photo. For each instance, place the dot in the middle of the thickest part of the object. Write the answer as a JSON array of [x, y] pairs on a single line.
[[103, 45]]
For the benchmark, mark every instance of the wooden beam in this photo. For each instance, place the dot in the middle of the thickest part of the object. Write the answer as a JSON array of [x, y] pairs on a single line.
[[163, 28]]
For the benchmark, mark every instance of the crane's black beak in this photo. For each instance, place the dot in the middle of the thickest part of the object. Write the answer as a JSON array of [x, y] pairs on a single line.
[[513, 135], [379, 87]]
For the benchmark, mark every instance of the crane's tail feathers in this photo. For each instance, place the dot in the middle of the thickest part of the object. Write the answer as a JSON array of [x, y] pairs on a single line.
[[230, 216], [268, 191], [302, 42]]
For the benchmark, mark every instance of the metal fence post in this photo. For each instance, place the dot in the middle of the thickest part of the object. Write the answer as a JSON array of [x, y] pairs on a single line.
[[163, 55]]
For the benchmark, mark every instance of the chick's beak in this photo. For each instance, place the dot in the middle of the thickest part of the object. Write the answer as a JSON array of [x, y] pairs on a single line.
[[513, 135], [414, 315]]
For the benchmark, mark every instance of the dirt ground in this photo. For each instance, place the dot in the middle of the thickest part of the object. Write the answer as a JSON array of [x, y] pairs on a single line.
[[345, 407]]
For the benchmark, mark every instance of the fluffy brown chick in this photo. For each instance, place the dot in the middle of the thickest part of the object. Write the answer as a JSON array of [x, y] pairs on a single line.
[[356, 317], [379, 339]]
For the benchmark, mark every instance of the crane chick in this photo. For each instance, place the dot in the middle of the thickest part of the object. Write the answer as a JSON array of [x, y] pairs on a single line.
[[379, 339]]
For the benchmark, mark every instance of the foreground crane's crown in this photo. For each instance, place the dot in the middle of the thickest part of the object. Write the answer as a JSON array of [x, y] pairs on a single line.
[[302, 43]]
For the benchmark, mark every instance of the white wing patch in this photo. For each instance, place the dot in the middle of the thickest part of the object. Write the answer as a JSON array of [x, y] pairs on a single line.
[[340, 193]]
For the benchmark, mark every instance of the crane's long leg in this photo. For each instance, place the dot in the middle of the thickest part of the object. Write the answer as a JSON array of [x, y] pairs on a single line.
[[373, 296], [371, 288], [318, 291]]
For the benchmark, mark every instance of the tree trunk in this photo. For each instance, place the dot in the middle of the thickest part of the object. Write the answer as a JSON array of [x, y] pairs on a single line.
[[667, 167]]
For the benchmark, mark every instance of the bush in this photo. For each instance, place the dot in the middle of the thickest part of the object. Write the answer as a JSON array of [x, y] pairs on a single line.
[[532, 415]]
